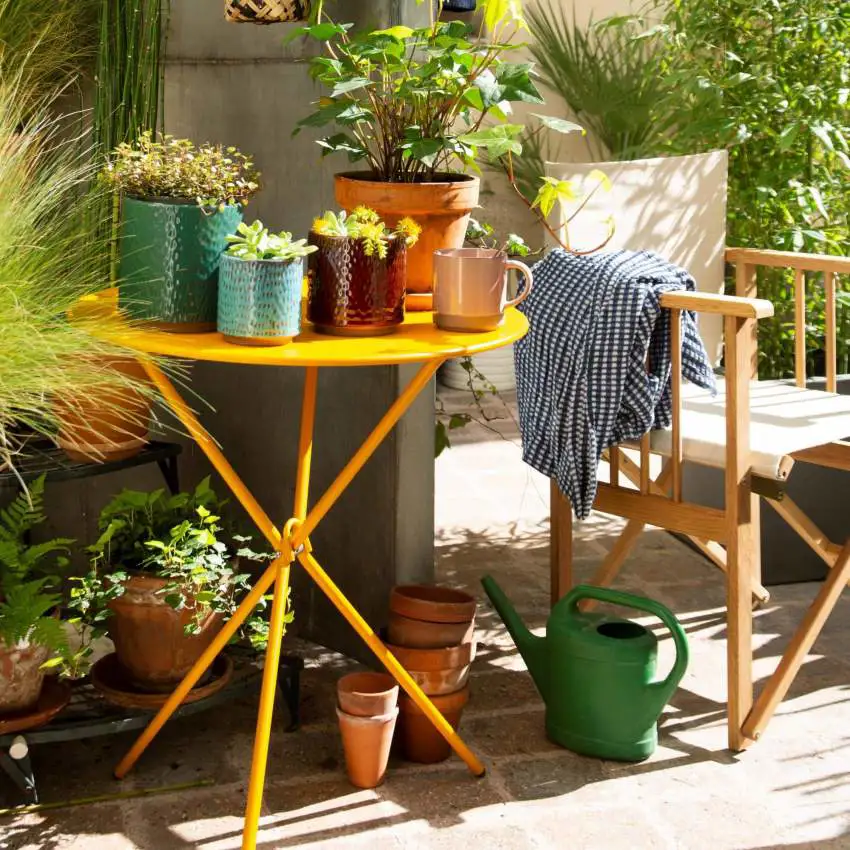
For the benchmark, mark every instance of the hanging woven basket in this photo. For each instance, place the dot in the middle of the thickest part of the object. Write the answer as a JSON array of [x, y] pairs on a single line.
[[266, 11]]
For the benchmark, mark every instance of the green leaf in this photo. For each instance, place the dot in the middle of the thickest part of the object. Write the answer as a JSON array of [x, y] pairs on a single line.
[[354, 84], [398, 32], [441, 439], [515, 81], [560, 125]]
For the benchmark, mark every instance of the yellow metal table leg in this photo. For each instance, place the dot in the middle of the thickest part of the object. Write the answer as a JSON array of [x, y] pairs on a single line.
[[266, 711], [293, 542], [264, 716], [191, 678], [314, 569]]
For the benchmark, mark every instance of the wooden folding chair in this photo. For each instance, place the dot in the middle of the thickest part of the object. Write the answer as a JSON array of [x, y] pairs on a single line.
[[756, 431]]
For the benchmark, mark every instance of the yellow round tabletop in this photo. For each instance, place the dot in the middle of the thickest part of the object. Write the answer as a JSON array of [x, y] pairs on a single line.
[[415, 341]]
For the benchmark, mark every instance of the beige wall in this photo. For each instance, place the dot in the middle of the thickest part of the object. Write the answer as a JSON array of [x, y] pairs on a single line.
[[499, 205]]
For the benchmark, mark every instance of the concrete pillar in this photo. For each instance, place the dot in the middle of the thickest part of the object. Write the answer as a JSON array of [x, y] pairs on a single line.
[[237, 84]]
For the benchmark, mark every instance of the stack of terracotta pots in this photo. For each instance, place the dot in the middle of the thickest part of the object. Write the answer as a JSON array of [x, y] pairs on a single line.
[[367, 710], [431, 632]]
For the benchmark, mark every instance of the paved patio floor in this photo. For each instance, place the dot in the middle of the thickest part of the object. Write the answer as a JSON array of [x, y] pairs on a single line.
[[792, 789]]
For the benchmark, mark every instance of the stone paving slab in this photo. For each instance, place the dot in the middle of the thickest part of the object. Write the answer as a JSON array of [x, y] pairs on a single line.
[[792, 789]]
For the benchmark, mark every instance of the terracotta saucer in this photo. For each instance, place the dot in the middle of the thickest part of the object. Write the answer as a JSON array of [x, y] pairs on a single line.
[[55, 695], [109, 678]]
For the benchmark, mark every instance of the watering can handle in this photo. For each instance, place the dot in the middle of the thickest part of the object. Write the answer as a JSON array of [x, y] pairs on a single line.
[[640, 603]]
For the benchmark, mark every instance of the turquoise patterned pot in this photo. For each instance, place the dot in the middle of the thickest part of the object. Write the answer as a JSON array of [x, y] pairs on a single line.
[[259, 301], [170, 253]]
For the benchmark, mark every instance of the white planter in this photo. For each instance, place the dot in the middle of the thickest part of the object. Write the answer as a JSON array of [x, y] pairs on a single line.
[[496, 366]]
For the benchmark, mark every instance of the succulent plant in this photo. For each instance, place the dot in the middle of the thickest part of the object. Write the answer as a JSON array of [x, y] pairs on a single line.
[[254, 242]]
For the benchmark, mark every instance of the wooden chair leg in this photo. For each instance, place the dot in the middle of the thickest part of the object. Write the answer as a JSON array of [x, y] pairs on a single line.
[[560, 542], [803, 640], [739, 638]]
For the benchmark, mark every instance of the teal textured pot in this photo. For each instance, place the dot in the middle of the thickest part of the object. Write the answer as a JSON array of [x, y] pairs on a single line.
[[170, 254], [259, 301]]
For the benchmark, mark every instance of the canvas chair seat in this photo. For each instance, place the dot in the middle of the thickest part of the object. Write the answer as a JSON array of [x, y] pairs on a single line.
[[783, 419]]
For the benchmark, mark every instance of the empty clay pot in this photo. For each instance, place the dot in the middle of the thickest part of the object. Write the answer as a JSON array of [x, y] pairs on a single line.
[[420, 741], [419, 634], [366, 742], [432, 604], [367, 694], [436, 671]]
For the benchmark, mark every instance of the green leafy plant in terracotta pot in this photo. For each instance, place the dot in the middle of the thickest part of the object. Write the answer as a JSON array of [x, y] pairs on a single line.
[[31, 636], [416, 106], [179, 203], [164, 578], [260, 283], [357, 276]]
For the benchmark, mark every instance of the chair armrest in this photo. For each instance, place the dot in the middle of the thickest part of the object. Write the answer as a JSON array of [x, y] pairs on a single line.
[[726, 305], [789, 260]]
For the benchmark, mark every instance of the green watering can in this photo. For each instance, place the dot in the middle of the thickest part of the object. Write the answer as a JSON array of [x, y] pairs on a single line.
[[596, 673]]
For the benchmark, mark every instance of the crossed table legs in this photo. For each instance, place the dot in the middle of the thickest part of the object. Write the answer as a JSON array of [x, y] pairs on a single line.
[[292, 543]]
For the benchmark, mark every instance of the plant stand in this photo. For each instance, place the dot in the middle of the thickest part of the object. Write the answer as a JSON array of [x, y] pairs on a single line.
[[43, 458], [89, 715]]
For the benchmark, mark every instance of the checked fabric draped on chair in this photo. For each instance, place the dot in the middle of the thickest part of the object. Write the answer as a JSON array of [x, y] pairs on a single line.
[[756, 431]]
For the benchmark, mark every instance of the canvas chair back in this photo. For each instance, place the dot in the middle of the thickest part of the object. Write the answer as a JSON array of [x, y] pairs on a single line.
[[675, 206]]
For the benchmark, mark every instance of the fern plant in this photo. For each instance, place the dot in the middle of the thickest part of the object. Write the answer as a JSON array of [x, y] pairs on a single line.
[[21, 560], [25, 619]]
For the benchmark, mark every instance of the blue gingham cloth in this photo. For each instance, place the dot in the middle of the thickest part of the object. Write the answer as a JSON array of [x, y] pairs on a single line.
[[594, 369]]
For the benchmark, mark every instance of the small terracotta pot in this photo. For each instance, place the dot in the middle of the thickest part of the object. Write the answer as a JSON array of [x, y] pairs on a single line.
[[111, 422], [436, 671], [366, 742], [432, 603], [21, 677], [418, 634], [149, 635], [367, 694], [420, 741]]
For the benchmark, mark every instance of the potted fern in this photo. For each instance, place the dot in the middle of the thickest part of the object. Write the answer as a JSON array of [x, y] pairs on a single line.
[[259, 288], [357, 277], [164, 577], [31, 636], [179, 203]]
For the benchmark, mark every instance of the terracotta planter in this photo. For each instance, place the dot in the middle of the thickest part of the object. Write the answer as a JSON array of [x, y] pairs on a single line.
[[366, 742], [352, 294], [436, 671], [432, 603], [441, 208], [21, 677], [367, 694], [107, 424], [419, 634], [149, 636], [420, 741]]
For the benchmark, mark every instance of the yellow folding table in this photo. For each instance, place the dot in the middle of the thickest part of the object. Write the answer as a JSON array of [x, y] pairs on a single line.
[[416, 341]]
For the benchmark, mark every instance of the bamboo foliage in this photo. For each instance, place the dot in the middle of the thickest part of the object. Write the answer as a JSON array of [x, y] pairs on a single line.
[[129, 73]]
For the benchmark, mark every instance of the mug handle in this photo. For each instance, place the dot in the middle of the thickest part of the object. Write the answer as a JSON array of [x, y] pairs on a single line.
[[525, 271]]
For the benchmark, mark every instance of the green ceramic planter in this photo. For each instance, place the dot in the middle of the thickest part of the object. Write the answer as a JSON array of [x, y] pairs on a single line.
[[259, 301], [170, 255]]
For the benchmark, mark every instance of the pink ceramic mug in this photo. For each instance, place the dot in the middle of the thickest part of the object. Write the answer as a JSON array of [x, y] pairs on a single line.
[[471, 288]]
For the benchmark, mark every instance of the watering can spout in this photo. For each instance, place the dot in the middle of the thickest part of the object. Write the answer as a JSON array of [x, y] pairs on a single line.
[[533, 649]]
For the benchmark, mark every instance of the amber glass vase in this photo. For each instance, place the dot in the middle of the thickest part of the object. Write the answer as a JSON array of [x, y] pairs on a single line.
[[352, 293]]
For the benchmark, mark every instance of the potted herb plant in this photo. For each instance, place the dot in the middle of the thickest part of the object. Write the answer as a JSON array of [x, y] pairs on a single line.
[[357, 276], [259, 288], [179, 203], [415, 105], [30, 635], [163, 580]]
